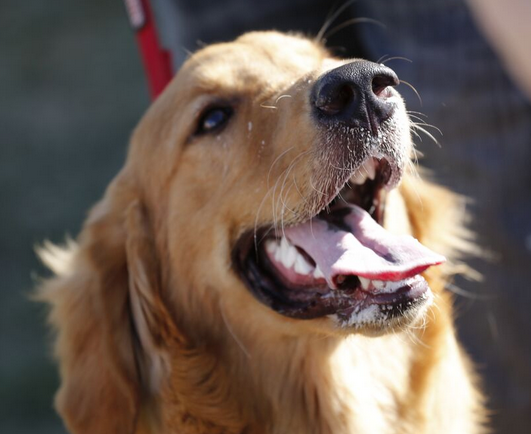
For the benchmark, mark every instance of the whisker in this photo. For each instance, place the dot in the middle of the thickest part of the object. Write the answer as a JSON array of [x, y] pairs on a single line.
[[331, 18], [417, 113], [417, 127], [343, 169], [342, 198], [416, 117], [313, 187], [414, 162], [281, 97], [429, 126], [275, 162], [396, 58], [414, 90], [416, 134], [351, 21], [256, 219], [231, 331], [285, 207], [298, 191], [264, 236], [268, 193], [272, 107], [276, 203], [281, 195], [382, 58]]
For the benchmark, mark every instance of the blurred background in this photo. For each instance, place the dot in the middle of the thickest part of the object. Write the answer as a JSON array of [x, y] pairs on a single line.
[[72, 88]]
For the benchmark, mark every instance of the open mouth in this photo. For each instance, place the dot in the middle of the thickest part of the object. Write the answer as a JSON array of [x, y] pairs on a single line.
[[341, 262]]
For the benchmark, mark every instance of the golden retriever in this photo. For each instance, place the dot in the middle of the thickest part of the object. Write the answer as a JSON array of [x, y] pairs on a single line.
[[254, 267]]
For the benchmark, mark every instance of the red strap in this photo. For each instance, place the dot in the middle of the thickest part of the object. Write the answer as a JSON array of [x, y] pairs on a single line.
[[156, 60]]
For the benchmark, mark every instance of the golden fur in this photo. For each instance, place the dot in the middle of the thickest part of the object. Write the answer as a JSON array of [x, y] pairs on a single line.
[[157, 334]]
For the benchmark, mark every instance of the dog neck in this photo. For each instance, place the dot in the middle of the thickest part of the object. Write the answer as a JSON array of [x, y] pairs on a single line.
[[287, 384], [330, 385]]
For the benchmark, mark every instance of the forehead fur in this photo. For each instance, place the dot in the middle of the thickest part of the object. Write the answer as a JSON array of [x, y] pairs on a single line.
[[251, 69], [264, 57]]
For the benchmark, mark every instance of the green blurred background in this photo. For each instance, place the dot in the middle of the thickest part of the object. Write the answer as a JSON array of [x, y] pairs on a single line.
[[70, 80]]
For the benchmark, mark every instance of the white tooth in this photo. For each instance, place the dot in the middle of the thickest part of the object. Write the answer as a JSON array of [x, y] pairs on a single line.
[[271, 246], [289, 253], [278, 251], [359, 178], [283, 250], [292, 256], [308, 266], [364, 282], [317, 273], [379, 284], [370, 168], [278, 254], [301, 266]]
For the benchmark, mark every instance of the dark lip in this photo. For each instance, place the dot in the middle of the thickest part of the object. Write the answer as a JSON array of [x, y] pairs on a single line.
[[396, 304]]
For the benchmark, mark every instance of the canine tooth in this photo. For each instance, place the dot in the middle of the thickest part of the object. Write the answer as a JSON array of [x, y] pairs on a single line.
[[370, 168], [364, 282], [359, 178], [301, 266], [317, 273], [271, 246], [292, 256]]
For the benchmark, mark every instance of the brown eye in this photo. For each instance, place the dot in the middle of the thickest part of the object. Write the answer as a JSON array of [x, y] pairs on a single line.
[[214, 119]]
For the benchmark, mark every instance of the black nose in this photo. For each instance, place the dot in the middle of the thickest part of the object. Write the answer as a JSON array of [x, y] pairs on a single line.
[[356, 94]]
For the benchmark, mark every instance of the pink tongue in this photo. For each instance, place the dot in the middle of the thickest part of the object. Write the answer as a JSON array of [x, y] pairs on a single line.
[[368, 250]]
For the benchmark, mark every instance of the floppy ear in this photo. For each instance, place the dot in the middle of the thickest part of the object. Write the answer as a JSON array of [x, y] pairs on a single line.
[[154, 326], [105, 303]]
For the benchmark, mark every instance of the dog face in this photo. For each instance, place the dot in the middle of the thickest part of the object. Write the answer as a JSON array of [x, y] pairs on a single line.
[[266, 165], [265, 206]]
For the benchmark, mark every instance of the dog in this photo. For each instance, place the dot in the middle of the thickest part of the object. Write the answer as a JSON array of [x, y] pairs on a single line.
[[254, 267]]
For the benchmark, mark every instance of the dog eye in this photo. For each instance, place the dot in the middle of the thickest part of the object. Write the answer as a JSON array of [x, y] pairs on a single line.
[[214, 119]]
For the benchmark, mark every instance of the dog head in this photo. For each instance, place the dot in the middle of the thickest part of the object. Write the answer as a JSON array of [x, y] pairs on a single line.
[[276, 163], [252, 205]]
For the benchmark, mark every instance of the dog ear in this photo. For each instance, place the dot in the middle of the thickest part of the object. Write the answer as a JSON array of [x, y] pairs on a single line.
[[153, 324], [105, 304]]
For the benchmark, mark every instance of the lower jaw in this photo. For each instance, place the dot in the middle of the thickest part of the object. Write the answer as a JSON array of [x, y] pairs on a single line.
[[358, 308], [378, 317]]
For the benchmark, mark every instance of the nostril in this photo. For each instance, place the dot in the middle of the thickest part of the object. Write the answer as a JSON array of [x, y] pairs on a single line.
[[333, 98], [381, 84], [357, 94]]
